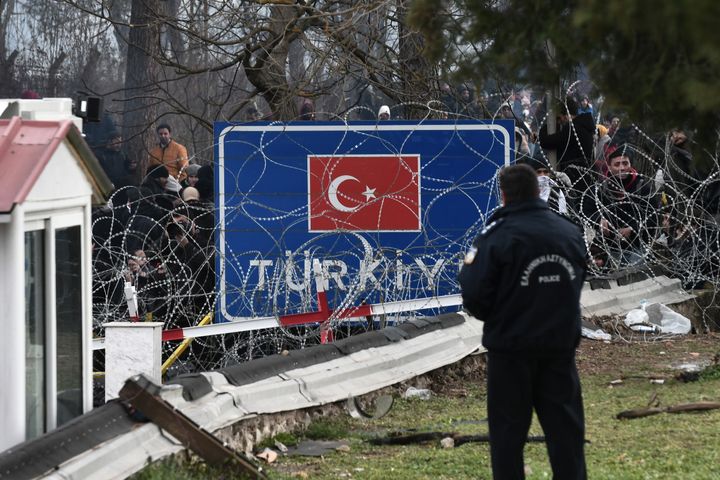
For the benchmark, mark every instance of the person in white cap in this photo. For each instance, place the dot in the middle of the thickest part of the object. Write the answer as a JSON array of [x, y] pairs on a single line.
[[384, 113], [190, 194], [192, 175]]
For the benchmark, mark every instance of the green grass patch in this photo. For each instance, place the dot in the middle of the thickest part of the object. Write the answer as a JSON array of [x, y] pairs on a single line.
[[326, 429], [664, 446], [287, 439], [711, 373], [172, 470]]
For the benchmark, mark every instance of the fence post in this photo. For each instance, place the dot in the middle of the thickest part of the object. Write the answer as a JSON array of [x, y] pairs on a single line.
[[131, 348]]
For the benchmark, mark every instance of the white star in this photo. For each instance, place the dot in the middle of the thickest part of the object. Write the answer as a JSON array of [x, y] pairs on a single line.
[[369, 193]]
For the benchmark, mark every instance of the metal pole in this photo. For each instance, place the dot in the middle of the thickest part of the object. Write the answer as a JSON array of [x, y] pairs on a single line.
[[550, 96], [183, 346]]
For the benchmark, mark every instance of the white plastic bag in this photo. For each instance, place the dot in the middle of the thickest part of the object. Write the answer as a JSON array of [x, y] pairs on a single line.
[[598, 334], [664, 320], [673, 322], [637, 316]]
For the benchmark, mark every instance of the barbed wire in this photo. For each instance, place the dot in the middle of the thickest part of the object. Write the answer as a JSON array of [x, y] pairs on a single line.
[[166, 247]]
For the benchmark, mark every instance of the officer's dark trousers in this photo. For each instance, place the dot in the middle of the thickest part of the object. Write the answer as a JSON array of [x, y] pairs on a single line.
[[517, 383]]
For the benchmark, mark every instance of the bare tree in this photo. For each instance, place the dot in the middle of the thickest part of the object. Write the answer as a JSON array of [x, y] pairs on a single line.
[[53, 47], [141, 75], [198, 61], [7, 59], [415, 69]]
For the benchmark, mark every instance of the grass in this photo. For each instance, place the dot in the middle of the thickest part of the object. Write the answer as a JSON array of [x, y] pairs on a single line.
[[326, 429], [286, 438], [660, 446], [663, 446], [170, 470]]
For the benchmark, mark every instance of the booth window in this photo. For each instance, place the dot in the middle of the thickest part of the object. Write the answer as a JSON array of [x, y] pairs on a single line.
[[69, 314], [35, 333]]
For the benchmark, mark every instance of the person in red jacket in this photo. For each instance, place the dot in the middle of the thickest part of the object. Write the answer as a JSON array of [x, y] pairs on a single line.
[[624, 208], [169, 153]]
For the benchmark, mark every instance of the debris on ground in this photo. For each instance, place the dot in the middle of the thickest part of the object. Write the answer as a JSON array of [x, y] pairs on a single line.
[[657, 318], [687, 376], [682, 408], [141, 394], [317, 448], [396, 438], [647, 319], [652, 378], [382, 405], [447, 442], [692, 372], [268, 455], [420, 393], [596, 334]]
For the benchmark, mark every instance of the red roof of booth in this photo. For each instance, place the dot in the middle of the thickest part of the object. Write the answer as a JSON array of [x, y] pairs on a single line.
[[26, 147]]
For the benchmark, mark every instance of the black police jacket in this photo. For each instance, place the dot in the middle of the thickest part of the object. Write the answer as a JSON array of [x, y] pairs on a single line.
[[523, 278]]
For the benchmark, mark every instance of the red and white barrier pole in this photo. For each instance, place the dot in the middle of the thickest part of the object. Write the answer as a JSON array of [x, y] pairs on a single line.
[[260, 323], [321, 316]]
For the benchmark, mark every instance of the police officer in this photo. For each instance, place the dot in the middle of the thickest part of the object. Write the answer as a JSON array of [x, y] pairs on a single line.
[[523, 277]]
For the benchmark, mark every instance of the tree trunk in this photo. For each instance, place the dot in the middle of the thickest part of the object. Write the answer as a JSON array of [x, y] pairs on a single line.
[[140, 77], [53, 75], [7, 9], [121, 31], [268, 73], [88, 78], [174, 42], [8, 88], [417, 74], [7, 62]]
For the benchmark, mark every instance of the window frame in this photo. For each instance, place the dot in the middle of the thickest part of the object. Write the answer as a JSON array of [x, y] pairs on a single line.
[[49, 222]]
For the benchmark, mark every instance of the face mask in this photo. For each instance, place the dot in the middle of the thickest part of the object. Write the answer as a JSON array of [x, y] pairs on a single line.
[[544, 183]]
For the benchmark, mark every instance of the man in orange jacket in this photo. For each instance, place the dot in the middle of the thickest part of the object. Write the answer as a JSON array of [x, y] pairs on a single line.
[[169, 153]]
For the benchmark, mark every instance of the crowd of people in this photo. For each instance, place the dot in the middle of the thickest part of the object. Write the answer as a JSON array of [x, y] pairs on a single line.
[[156, 234], [640, 199], [629, 191]]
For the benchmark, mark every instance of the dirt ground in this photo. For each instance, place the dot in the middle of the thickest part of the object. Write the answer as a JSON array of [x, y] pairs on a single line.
[[662, 356], [623, 357]]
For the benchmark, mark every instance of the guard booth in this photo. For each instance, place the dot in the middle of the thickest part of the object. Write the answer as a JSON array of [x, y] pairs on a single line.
[[49, 179]]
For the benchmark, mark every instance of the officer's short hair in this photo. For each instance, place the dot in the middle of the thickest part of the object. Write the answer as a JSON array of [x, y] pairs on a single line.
[[519, 183]]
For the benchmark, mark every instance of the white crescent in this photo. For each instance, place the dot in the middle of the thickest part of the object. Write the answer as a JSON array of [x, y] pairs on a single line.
[[333, 193]]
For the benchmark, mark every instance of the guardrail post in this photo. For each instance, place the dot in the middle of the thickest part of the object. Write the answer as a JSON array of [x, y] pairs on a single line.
[[131, 348]]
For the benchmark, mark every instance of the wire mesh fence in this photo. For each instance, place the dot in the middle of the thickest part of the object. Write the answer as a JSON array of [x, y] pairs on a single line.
[[655, 213]]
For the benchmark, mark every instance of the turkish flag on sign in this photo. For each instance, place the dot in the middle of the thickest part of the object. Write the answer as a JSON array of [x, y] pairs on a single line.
[[364, 193]]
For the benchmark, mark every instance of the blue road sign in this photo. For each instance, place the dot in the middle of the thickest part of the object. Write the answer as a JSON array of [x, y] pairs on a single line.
[[386, 210]]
